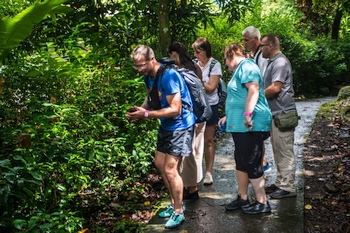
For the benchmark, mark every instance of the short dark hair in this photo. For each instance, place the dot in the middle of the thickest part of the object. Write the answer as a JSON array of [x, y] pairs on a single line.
[[272, 39]]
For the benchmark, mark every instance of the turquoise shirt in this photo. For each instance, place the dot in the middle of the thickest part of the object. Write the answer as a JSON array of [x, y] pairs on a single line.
[[247, 71]]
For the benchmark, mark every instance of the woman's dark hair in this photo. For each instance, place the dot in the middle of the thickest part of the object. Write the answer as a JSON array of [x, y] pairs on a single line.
[[184, 57]]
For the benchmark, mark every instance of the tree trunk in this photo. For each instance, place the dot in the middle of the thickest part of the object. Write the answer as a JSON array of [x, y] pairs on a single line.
[[164, 32], [336, 24]]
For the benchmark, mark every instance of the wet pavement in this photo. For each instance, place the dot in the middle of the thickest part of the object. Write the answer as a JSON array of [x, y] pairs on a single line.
[[208, 214]]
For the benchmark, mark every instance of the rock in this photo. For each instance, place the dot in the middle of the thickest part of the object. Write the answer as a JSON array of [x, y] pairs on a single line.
[[344, 93], [331, 188]]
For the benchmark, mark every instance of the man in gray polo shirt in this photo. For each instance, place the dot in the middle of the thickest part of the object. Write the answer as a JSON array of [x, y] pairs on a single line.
[[278, 84]]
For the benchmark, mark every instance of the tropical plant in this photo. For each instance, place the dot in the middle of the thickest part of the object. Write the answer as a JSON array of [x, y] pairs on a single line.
[[14, 30]]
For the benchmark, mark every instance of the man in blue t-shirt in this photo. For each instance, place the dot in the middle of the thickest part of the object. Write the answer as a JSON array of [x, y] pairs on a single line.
[[176, 126]]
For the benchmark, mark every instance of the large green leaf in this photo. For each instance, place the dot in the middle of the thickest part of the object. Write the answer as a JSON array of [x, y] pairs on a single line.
[[14, 30]]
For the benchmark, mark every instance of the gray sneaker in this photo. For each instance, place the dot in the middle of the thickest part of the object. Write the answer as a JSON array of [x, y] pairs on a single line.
[[237, 204], [280, 193], [257, 208]]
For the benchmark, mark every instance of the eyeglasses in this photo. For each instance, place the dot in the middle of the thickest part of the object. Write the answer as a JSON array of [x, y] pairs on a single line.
[[262, 45], [142, 66]]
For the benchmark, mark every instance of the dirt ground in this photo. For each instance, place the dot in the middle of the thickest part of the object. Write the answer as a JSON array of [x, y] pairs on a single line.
[[327, 175]]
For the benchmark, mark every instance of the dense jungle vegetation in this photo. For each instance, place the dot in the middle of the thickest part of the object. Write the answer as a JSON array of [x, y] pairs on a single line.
[[66, 80]]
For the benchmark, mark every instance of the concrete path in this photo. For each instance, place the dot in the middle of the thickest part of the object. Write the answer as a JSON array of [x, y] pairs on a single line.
[[208, 215]]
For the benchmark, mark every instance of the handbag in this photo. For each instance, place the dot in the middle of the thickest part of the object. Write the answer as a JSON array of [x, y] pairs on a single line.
[[286, 121]]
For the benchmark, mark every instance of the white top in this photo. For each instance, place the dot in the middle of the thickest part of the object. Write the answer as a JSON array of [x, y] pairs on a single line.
[[261, 62], [213, 97]]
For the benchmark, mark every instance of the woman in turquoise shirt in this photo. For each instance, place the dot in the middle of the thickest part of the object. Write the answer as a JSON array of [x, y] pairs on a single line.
[[248, 118]]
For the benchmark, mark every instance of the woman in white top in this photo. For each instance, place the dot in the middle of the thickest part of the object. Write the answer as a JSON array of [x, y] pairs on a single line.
[[211, 73]]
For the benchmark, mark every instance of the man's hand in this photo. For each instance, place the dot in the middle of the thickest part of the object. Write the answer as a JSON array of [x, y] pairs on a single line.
[[136, 113]]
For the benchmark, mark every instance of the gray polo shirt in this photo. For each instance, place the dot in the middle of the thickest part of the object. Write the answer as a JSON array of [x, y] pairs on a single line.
[[279, 69]]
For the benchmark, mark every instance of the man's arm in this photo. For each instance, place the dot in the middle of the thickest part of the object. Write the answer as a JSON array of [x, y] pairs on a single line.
[[273, 90], [174, 109]]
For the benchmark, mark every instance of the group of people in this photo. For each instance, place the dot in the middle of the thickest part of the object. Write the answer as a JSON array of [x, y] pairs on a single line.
[[260, 88]]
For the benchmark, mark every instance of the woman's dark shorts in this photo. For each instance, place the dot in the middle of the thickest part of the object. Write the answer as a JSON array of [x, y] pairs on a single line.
[[214, 119], [176, 143], [248, 152]]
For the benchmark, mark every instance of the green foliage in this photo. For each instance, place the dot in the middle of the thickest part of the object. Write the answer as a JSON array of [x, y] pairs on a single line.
[[64, 136], [235, 10], [14, 30], [10, 8]]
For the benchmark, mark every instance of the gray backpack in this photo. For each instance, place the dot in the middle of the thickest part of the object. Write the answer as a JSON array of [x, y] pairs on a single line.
[[201, 107]]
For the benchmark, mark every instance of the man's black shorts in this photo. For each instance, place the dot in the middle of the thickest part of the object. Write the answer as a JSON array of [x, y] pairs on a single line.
[[177, 143]]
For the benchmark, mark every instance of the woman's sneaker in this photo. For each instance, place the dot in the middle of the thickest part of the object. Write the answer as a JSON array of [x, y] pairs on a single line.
[[208, 180], [175, 220]]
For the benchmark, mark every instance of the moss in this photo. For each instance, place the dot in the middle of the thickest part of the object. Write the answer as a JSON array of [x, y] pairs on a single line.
[[344, 93]]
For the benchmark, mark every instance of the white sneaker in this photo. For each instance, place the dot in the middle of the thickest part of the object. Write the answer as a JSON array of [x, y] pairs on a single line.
[[208, 180]]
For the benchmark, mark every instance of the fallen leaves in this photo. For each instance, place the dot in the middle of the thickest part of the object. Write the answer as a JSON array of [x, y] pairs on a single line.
[[327, 160]]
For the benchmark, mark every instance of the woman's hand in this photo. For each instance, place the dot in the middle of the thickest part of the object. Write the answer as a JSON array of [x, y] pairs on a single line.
[[222, 121], [248, 122]]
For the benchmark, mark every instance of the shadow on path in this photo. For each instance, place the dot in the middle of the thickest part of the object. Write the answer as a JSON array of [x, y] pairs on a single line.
[[207, 214]]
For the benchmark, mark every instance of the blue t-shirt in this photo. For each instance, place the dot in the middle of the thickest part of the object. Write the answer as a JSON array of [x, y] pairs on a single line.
[[237, 93], [169, 83]]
